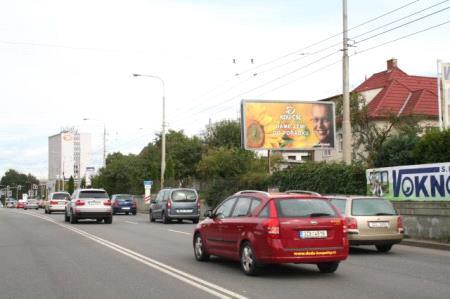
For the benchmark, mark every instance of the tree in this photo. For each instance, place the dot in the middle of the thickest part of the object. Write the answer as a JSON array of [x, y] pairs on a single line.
[[397, 150], [225, 133], [368, 134], [13, 178], [433, 147], [71, 185]]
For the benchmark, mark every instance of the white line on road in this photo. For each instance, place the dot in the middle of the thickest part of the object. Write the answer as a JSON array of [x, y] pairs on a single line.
[[130, 222], [192, 280], [180, 232]]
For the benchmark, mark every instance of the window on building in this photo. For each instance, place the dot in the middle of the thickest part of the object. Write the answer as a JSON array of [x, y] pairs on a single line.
[[293, 158], [326, 152], [341, 142]]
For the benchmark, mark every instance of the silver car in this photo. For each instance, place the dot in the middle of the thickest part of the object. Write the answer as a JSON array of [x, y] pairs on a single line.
[[89, 204], [370, 221], [57, 202], [31, 204]]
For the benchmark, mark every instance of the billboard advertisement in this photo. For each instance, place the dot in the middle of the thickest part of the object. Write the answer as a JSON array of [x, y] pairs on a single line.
[[287, 125], [424, 182]]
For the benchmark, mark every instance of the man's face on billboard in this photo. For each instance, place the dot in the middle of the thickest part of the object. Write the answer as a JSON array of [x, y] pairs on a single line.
[[322, 121]]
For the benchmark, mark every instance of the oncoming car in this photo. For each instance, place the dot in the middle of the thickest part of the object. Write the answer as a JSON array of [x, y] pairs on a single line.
[[370, 221], [257, 228], [89, 204]]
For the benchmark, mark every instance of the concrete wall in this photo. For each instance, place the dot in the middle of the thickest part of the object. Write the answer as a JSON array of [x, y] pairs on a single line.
[[425, 220]]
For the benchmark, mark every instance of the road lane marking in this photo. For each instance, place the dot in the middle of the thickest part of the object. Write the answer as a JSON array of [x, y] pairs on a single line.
[[190, 279], [130, 222], [180, 232]]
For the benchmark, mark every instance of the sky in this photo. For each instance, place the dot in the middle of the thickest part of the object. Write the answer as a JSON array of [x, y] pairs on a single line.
[[62, 61]]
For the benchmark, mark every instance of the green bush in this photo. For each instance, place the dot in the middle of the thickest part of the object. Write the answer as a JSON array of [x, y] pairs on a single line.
[[325, 178], [433, 147]]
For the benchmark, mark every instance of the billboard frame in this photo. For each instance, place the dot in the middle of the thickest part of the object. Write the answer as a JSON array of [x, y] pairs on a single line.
[[244, 128]]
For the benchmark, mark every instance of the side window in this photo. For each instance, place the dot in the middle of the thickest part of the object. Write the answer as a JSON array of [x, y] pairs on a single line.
[[166, 195], [159, 196], [255, 203], [264, 212], [242, 207], [224, 209]]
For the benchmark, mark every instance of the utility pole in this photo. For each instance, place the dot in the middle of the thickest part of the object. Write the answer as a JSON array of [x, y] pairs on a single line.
[[104, 145], [346, 125]]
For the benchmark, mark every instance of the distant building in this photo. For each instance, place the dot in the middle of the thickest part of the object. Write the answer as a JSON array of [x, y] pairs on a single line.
[[68, 155], [391, 92]]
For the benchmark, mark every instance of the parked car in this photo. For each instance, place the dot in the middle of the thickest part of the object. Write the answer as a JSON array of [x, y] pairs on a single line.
[[20, 204], [123, 203], [11, 203], [31, 204], [57, 202], [175, 203], [371, 221], [89, 204], [258, 228]]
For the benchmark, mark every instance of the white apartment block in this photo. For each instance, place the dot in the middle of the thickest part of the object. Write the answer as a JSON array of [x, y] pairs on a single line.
[[68, 155]]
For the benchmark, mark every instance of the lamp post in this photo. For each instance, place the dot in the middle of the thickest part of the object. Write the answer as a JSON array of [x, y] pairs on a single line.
[[104, 139], [163, 133]]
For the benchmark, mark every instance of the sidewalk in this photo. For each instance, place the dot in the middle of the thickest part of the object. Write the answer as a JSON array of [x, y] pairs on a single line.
[[425, 244]]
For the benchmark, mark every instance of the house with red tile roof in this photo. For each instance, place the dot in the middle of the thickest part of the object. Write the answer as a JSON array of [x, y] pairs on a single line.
[[390, 92]]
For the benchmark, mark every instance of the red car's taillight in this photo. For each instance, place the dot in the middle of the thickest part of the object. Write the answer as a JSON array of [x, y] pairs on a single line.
[[79, 203], [107, 202], [400, 224], [351, 223], [344, 226], [272, 228], [169, 204]]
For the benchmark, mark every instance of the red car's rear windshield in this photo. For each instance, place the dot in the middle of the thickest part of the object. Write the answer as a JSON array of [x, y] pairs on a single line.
[[93, 194], [300, 207]]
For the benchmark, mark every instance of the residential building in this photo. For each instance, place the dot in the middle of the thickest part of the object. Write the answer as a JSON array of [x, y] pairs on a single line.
[[68, 155], [389, 92]]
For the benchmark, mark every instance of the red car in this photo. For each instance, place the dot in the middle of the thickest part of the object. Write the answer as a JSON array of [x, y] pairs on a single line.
[[257, 228], [20, 204]]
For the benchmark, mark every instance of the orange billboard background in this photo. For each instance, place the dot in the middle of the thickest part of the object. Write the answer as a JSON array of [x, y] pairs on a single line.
[[287, 125]]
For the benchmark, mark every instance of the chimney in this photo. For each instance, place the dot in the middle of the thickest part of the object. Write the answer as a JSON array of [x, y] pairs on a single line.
[[391, 63]]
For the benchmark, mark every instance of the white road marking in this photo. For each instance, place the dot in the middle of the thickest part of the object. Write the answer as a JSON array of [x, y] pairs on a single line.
[[180, 232], [130, 222], [192, 280]]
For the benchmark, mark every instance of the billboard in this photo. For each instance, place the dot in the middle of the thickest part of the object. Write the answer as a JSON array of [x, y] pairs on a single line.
[[424, 182], [287, 125]]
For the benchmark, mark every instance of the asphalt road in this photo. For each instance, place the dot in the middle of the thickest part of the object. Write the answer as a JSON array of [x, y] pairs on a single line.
[[43, 257]]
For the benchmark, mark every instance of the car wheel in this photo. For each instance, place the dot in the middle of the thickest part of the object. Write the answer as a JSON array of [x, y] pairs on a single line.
[[249, 264], [49, 212], [24, 208], [384, 247], [73, 219], [150, 216], [128, 213], [328, 267], [108, 220], [200, 252], [99, 220], [114, 213], [165, 219], [66, 218], [195, 221], [37, 209], [45, 211], [180, 220], [134, 213]]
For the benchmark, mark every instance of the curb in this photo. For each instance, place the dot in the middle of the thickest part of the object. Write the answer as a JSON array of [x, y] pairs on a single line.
[[425, 244]]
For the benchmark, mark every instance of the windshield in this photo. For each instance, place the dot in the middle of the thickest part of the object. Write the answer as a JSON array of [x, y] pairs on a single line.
[[124, 197], [61, 196], [339, 203], [93, 194], [184, 195], [293, 207], [372, 207]]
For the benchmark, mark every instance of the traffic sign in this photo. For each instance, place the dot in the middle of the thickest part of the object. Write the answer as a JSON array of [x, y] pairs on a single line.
[[148, 184]]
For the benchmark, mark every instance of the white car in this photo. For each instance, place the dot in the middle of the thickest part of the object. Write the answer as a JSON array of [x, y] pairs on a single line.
[[56, 202], [89, 204]]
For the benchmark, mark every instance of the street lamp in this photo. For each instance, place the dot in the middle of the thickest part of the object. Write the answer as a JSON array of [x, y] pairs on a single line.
[[163, 134], [104, 139]]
